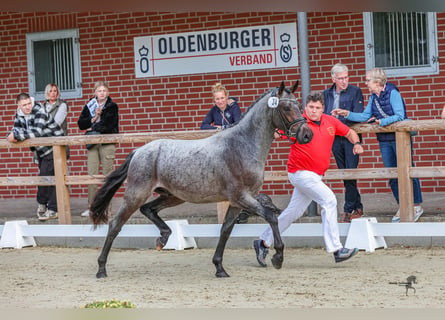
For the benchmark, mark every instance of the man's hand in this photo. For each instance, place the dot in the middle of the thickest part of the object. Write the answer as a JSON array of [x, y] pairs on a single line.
[[11, 138], [358, 149]]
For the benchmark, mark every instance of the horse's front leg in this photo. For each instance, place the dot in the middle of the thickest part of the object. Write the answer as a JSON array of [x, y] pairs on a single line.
[[226, 230], [278, 257], [271, 212]]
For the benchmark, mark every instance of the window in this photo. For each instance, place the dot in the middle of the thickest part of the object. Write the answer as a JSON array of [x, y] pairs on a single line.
[[402, 43], [54, 57]]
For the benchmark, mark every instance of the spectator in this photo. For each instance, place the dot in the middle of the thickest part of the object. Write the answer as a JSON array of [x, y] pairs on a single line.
[[56, 108], [443, 113], [345, 96], [99, 116], [306, 165], [225, 111], [31, 121], [387, 106]]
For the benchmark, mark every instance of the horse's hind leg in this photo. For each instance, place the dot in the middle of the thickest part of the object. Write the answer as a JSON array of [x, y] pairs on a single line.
[[226, 230], [114, 227], [151, 209]]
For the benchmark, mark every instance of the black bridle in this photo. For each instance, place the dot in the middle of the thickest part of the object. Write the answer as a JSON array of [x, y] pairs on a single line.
[[288, 125]]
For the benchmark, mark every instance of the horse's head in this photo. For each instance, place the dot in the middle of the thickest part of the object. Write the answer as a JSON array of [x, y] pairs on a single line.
[[288, 117]]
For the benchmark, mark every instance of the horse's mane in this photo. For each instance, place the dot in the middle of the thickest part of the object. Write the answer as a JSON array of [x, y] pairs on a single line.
[[254, 103]]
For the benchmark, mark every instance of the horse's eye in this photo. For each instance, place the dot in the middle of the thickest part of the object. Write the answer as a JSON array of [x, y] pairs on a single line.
[[286, 108]]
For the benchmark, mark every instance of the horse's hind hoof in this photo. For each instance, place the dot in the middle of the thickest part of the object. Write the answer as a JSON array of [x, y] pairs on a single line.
[[222, 274], [277, 263], [101, 275], [159, 244]]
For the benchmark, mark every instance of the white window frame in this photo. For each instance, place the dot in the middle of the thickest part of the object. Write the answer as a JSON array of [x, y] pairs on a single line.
[[433, 67], [54, 35]]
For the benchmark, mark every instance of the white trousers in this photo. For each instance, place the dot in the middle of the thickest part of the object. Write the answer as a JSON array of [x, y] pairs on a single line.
[[308, 187]]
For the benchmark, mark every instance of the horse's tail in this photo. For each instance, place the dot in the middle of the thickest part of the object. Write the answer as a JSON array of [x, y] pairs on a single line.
[[98, 208]]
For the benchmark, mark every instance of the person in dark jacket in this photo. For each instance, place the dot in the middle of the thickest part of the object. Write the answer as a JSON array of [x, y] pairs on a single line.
[[99, 116], [31, 121], [225, 112], [57, 108], [345, 96], [386, 106]]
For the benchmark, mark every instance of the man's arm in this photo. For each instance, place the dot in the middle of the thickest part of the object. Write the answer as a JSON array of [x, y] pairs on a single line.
[[353, 137]]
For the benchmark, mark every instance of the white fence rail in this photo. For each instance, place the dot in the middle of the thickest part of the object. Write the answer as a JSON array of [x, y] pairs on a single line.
[[364, 233]]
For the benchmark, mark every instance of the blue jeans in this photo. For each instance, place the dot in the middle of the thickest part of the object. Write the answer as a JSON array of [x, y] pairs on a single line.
[[346, 159], [389, 156]]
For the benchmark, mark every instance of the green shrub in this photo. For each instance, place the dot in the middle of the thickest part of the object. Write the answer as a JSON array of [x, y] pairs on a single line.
[[110, 304]]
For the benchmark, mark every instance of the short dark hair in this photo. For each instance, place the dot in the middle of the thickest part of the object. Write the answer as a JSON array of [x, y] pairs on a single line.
[[315, 96], [23, 96]]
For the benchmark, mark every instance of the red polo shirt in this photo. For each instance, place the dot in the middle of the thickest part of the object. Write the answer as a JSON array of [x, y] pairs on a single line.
[[315, 156]]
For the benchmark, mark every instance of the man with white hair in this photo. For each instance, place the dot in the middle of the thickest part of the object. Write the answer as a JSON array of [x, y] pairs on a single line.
[[342, 95]]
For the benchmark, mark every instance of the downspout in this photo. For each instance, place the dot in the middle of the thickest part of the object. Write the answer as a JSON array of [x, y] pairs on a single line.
[[305, 76]]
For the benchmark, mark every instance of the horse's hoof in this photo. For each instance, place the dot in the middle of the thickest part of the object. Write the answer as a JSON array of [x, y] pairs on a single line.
[[222, 274], [277, 263], [159, 244], [101, 275]]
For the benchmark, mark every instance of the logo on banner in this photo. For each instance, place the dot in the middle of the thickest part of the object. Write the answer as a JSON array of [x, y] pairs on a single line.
[[144, 63], [286, 48]]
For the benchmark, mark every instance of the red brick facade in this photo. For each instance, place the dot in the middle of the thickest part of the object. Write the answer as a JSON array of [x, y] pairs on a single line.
[[180, 102]]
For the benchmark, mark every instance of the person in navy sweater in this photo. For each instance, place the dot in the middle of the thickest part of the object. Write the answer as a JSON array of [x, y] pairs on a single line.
[[225, 112]]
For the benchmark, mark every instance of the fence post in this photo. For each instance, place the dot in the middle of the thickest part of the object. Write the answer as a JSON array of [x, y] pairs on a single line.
[[63, 195], [404, 161]]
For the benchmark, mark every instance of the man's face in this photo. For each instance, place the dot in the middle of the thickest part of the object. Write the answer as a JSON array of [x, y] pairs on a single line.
[[314, 110], [341, 81], [25, 105]]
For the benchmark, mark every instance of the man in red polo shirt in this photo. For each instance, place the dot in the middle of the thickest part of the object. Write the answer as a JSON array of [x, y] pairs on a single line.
[[306, 165]]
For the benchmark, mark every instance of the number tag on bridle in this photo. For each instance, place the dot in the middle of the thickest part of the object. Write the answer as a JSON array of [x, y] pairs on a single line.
[[273, 102]]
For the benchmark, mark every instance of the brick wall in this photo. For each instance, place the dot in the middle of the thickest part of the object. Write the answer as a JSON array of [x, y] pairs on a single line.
[[181, 102]]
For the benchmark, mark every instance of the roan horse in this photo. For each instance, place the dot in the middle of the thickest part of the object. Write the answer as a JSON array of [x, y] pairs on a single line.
[[227, 166]]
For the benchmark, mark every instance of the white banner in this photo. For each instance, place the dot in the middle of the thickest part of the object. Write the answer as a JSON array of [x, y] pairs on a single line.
[[247, 48]]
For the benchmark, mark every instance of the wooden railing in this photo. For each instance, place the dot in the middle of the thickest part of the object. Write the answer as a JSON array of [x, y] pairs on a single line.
[[404, 171]]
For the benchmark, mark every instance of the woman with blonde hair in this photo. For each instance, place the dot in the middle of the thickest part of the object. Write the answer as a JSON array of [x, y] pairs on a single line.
[[225, 111], [99, 116]]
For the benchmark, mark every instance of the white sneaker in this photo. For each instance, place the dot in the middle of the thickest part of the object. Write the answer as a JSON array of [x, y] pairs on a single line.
[[41, 209], [41, 212], [418, 211], [51, 214], [86, 213], [396, 218]]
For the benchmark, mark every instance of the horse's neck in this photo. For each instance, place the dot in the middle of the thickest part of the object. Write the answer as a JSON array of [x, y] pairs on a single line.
[[258, 130]]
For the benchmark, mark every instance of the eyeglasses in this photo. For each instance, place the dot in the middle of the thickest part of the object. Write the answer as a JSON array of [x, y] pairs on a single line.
[[368, 80], [342, 78]]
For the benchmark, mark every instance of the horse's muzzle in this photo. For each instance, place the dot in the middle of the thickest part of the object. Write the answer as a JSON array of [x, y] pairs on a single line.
[[302, 134]]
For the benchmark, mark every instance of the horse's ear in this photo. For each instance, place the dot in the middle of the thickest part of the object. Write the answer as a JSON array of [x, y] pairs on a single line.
[[295, 86], [281, 88]]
